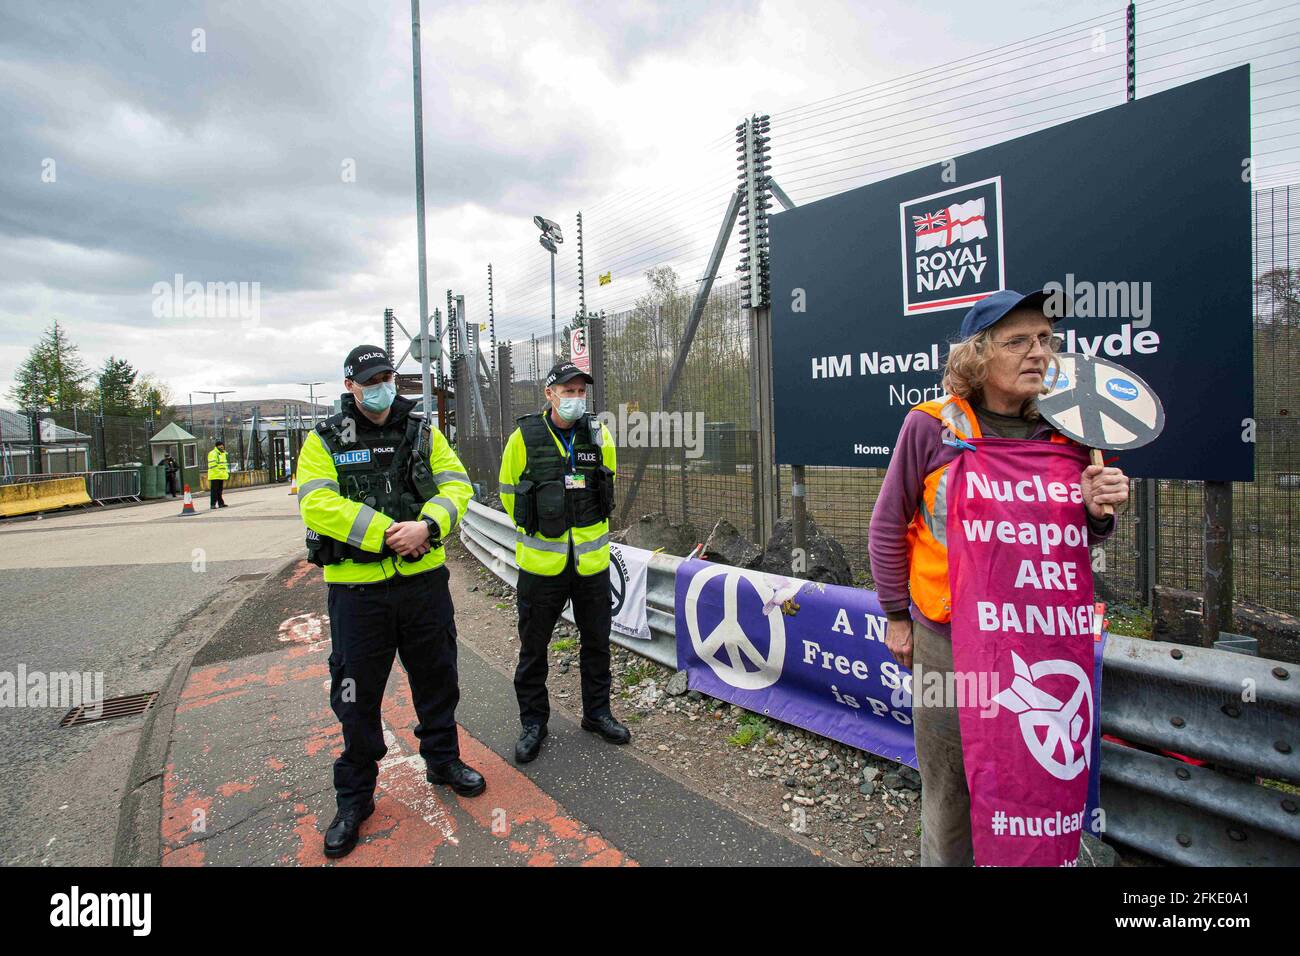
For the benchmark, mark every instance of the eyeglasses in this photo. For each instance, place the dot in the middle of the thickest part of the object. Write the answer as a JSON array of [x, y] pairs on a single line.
[[1023, 344]]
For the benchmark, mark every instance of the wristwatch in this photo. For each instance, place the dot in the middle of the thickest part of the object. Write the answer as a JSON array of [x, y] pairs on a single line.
[[434, 533]]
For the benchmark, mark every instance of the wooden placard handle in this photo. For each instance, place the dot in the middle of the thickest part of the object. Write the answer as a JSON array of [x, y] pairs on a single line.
[[1096, 460]]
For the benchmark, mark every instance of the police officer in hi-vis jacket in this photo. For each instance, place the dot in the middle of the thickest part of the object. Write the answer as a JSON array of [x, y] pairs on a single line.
[[380, 491], [557, 482]]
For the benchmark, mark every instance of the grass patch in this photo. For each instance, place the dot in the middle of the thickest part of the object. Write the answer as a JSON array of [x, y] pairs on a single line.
[[743, 737], [1128, 620], [637, 672], [564, 644], [750, 727]]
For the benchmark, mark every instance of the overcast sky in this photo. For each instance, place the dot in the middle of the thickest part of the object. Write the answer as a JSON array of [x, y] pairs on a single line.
[[230, 163]]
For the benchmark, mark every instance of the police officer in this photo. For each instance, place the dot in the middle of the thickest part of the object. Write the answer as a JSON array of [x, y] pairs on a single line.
[[380, 492], [557, 481], [218, 472]]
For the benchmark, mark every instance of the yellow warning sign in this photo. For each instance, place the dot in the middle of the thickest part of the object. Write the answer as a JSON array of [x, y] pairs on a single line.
[[606, 278]]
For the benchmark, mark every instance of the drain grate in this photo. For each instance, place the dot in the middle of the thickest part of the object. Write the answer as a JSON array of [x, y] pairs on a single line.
[[255, 576], [97, 710]]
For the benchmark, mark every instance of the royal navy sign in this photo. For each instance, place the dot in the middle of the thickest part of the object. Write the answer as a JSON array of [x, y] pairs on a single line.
[[1144, 251]]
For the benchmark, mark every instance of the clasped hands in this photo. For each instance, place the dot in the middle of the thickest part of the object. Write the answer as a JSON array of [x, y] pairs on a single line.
[[410, 539]]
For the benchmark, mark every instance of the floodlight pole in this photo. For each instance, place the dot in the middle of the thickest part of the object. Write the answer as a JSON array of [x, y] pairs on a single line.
[[426, 389], [555, 344]]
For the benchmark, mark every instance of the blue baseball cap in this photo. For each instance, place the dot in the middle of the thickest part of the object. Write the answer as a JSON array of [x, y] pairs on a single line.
[[993, 308]]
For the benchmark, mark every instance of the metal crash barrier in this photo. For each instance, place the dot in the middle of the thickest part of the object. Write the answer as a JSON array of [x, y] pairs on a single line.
[[1237, 717]]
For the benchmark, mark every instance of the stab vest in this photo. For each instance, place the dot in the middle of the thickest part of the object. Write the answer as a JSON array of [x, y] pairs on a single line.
[[375, 471], [543, 504]]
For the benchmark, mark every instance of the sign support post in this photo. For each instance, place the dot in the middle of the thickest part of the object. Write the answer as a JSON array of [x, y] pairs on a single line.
[[1216, 578]]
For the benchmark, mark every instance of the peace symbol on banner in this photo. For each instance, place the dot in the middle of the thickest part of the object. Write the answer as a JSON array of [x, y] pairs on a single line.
[[1101, 404]]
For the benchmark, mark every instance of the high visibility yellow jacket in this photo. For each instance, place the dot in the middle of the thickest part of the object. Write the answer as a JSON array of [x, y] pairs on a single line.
[[548, 555], [218, 465], [327, 512]]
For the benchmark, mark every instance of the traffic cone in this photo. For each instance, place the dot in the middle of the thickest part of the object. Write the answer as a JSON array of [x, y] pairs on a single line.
[[188, 507]]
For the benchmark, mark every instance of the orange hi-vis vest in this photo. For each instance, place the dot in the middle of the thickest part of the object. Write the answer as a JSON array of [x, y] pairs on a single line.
[[927, 535]]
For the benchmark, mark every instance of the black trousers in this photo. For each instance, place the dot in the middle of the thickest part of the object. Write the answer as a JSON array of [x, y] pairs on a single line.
[[541, 599], [413, 617], [214, 496]]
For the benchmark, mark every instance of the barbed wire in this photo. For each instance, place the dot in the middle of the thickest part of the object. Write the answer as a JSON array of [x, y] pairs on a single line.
[[860, 136]]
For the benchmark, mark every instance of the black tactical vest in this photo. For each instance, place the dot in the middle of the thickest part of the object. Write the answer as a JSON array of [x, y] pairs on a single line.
[[542, 502], [374, 469]]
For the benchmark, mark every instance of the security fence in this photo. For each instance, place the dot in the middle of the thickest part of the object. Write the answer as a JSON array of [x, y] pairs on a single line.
[[633, 277], [39, 444]]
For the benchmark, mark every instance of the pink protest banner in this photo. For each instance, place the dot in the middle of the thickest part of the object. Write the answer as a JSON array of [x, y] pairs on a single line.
[[1022, 620]]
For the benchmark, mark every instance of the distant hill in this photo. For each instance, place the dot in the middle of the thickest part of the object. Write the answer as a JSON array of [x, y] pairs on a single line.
[[238, 411]]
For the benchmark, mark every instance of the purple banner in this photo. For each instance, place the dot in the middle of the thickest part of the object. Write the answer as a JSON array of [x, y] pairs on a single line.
[[811, 655]]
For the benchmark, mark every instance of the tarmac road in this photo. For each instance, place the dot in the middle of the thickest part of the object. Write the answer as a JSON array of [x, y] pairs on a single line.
[[126, 593]]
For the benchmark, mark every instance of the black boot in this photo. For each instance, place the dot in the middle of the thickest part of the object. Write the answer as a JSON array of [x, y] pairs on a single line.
[[530, 743], [458, 775], [609, 728], [342, 835]]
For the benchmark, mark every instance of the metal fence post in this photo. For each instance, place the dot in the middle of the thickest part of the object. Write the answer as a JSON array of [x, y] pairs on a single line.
[[1216, 579], [752, 139], [505, 388], [596, 349]]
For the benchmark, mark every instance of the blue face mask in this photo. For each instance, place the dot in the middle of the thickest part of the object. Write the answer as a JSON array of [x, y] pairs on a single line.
[[376, 398], [571, 409]]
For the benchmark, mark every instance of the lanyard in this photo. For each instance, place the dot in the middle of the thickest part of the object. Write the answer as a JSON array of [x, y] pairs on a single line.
[[568, 445]]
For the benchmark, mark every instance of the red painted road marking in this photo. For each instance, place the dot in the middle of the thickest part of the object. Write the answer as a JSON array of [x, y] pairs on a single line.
[[277, 702]]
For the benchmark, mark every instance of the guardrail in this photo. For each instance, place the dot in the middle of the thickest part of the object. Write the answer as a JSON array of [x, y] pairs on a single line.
[[1238, 714]]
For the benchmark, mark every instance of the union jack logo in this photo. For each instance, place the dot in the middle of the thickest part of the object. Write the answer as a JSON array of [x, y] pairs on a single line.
[[931, 221]]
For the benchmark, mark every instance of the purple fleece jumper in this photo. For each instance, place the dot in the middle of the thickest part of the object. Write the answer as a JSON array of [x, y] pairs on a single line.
[[919, 451]]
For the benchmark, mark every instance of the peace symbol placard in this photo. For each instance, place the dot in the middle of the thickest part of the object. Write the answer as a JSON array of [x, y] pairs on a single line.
[[1101, 404]]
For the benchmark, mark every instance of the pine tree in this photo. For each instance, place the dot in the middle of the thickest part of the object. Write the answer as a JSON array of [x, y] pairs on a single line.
[[53, 376], [117, 381]]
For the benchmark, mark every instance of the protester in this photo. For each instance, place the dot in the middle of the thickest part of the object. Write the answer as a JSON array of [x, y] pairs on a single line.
[[992, 379]]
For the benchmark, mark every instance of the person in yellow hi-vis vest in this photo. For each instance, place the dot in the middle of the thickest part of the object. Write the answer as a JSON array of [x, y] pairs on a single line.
[[380, 491], [557, 482], [218, 472]]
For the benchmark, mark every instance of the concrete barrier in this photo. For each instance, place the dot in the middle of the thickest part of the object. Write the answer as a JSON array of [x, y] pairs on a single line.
[[239, 479], [29, 497]]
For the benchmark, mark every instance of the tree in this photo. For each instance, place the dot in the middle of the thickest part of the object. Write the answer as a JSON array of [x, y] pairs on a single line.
[[52, 376], [1278, 297], [117, 387], [152, 397]]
